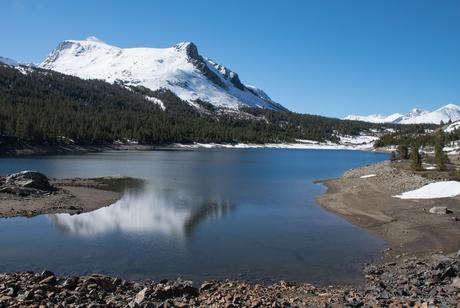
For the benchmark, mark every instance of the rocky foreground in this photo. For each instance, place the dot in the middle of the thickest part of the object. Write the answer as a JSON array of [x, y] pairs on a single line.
[[415, 282]]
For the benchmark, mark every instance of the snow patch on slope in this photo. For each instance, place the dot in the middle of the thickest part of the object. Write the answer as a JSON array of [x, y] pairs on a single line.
[[434, 190], [452, 127], [156, 101], [367, 176]]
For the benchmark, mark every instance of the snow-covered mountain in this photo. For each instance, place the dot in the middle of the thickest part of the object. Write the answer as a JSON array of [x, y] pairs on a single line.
[[180, 69], [450, 112], [8, 61]]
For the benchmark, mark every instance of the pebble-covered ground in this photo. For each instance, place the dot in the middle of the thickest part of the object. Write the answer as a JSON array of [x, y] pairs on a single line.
[[395, 179], [433, 281]]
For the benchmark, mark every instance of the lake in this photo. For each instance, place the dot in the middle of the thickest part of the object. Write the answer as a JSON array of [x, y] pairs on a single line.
[[202, 214]]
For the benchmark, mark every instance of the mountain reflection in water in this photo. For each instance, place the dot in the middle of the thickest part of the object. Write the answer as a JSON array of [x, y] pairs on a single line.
[[167, 212]]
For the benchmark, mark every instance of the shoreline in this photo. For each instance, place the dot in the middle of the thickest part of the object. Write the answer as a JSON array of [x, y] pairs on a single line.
[[364, 197], [25, 150]]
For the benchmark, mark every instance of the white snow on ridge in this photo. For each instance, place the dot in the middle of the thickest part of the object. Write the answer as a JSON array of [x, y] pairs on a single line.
[[178, 68], [434, 190], [450, 112], [156, 101]]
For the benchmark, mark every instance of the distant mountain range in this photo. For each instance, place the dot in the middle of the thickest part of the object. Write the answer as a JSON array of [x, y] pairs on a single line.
[[450, 112], [180, 69], [8, 61]]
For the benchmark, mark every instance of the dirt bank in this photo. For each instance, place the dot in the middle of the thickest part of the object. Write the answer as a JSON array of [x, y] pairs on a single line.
[[406, 225]]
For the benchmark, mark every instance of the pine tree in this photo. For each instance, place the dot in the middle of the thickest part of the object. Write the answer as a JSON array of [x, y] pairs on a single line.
[[440, 157], [392, 156], [416, 158], [439, 154], [403, 151]]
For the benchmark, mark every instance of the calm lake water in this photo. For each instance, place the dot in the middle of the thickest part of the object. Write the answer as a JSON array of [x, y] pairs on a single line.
[[203, 214]]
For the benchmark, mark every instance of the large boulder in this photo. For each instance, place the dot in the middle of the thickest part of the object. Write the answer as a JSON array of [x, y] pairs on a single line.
[[28, 179], [440, 210]]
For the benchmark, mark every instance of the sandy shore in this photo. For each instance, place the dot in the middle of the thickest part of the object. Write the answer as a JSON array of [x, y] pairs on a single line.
[[406, 225]]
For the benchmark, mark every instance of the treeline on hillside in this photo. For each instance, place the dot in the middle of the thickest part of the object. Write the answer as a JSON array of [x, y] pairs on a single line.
[[421, 135], [45, 107], [441, 158]]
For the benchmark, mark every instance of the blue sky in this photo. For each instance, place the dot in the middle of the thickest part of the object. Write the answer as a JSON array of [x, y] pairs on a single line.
[[322, 57]]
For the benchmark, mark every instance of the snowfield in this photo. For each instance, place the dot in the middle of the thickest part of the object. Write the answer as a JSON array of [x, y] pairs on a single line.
[[434, 190]]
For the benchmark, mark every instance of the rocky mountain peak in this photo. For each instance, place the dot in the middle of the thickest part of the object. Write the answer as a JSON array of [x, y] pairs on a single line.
[[180, 69]]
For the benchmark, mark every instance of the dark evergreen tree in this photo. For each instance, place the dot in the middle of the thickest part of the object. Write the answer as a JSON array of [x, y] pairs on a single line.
[[416, 158], [403, 151], [439, 154], [392, 156], [46, 107]]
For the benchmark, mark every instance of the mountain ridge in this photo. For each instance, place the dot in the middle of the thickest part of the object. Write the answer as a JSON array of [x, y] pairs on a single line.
[[180, 69]]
